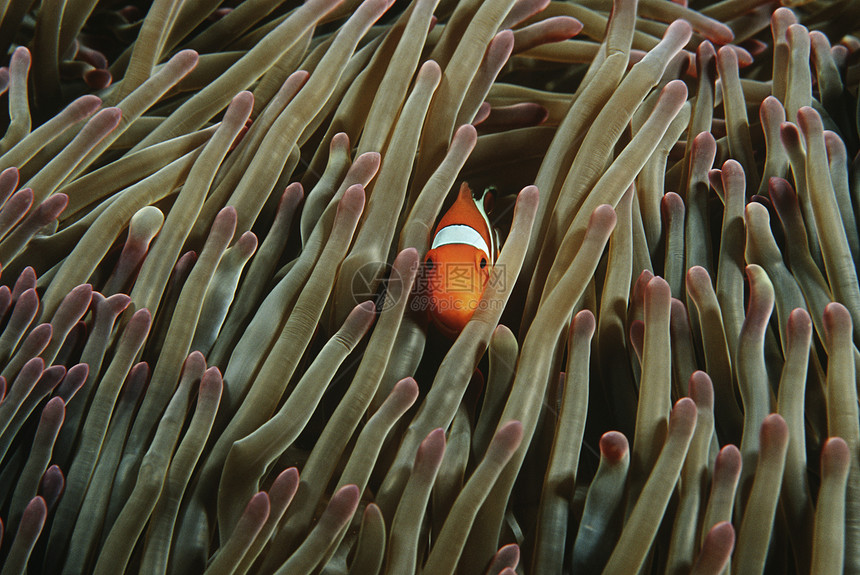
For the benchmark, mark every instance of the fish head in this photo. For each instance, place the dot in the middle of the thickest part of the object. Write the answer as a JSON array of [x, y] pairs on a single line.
[[455, 276]]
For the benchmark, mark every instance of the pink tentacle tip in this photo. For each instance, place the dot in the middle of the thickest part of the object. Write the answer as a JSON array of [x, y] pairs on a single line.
[[73, 381], [212, 381], [679, 311], [789, 135], [20, 57], [299, 77], [705, 54], [431, 450], [185, 59], [671, 205], [52, 376], [40, 336], [809, 121], [658, 291], [293, 194], [645, 276], [196, 361], [728, 460], [509, 554], [837, 319], [52, 485], [82, 291], [482, 114], [724, 529], [435, 439], [28, 299], [683, 417], [10, 176], [701, 389], [107, 119], [93, 57], [799, 320], [243, 101], [754, 47], [772, 107], [406, 259], [431, 71], [743, 56], [774, 432], [52, 207], [288, 476], [129, 13], [515, 116], [34, 366], [346, 496], [510, 434], [679, 29], [364, 308], [20, 203], [141, 318], [784, 15], [33, 518], [247, 242], [779, 188], [675, 92], [369, 161], [797, 32], [603, 217], [731, 168], [835, 457], [467, 134], [614, 446], [715, 178], [54, 410], [717, 547], [727, 56], [408, 387], [353, 198], [225, 215], [529, 195], [258, 508], [570, 27], [98, 79], [584, 324]]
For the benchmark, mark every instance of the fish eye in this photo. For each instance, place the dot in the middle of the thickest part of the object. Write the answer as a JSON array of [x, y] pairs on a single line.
[[483, 263], [429, 263]]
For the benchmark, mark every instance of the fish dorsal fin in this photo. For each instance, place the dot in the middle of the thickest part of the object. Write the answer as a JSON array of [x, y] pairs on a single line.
[[488, 197], [466, 212]]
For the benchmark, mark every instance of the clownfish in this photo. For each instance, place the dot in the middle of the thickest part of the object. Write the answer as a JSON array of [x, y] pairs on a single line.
[[457, 267]]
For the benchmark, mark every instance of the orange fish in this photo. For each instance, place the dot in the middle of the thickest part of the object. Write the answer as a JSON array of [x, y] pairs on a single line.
[[457, 267]]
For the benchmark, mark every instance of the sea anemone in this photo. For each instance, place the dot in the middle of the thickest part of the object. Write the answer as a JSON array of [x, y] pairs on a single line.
[[215, 348]]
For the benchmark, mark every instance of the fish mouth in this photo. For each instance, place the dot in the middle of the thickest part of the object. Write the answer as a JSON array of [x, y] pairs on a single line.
[[449, 323], [447, 330]]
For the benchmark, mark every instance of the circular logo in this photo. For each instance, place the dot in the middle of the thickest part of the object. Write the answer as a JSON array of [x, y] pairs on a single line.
[[372, 281]]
